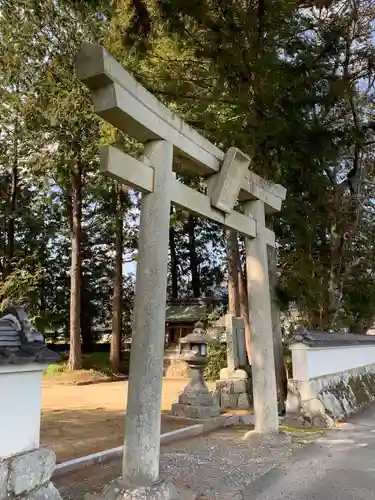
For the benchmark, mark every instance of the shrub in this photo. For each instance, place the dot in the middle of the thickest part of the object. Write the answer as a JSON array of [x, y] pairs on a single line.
[[217, 359]]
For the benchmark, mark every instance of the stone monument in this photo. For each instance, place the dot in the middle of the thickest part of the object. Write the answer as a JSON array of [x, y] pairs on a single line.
[[234, 389], [25, 469], [196, 401], [169, 143]]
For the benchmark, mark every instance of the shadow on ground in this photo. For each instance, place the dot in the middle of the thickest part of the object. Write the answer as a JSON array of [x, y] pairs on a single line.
[[75, 433]]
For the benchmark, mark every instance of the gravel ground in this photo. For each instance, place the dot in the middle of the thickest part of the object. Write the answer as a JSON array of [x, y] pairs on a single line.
[[219, 465]]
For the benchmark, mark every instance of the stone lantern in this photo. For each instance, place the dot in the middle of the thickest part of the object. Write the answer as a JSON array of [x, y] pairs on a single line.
[[196, 401]]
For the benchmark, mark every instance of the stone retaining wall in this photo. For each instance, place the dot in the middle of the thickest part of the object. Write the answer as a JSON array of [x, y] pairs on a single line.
[[28, 476], [324, 400], [234, 394]]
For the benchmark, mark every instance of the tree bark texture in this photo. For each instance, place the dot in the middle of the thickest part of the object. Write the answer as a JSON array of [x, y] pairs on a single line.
[[174, 260], [12, 206], [244, 307], [237, 286], [233, 275], [75, 356], [193, 257], [281, 377], [115, 354]]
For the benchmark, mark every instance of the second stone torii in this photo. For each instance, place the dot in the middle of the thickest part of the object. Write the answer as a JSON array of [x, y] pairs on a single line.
[[168, 142]]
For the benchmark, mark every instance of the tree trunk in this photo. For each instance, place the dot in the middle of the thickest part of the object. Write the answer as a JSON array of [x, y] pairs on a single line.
[[233, 275], [86, 317], [42, 289], [115, 354], [244, 305], [12, 207], [193, 258], [237, 288], [174, 260], [75, 356], [281, 377]]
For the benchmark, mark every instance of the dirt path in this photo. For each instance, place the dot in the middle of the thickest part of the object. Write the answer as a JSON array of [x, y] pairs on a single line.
[[79, 420]]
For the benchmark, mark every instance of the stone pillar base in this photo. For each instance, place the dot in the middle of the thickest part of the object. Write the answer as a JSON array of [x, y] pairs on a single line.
[[198, 405], [234, 394], [119, 490], [28, 476]]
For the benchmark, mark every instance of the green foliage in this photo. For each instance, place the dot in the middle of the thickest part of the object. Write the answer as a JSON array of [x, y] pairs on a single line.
[[293, 88], [290, 86], [54, 369], [217, 359], [47, 127], [99, 361], [96, 362]]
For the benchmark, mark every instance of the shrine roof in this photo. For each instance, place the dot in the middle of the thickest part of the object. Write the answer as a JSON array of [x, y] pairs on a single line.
[[19, 344], [334, 339], [189, 310]]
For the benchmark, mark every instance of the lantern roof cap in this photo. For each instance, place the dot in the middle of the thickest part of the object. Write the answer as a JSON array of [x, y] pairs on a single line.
[[198, 336]]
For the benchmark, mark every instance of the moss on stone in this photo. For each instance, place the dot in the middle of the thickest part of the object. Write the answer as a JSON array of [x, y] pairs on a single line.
[[369, 381], [359, 390]]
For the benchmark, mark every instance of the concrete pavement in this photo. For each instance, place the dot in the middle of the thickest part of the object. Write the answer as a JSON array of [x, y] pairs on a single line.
[[338, 466]]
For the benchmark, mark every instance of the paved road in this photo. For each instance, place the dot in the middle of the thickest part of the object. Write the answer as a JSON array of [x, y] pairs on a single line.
[[338, 466]]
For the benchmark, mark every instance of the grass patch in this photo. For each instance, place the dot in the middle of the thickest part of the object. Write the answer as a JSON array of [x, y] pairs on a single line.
[[95, 363], [55, 369], [100, 362], [295, 428]]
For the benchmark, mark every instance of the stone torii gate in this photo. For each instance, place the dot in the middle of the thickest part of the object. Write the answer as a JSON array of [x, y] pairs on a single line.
[[168, 143]]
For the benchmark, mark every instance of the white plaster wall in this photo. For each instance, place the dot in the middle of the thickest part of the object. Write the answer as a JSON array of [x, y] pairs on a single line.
[[312, 362], [20, 396], [338, 359]]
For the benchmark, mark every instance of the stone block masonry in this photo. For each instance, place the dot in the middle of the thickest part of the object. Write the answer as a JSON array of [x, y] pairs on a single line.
[[234, 394], [28, 476], [333, 376], [323, 401]]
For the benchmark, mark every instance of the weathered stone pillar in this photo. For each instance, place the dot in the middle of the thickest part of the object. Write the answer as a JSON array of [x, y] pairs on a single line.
[[263, 363], [142, 434]]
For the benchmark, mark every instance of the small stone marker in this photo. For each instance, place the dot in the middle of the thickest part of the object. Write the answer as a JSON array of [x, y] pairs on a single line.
[[233, 390], [25, 469], [238, 343]]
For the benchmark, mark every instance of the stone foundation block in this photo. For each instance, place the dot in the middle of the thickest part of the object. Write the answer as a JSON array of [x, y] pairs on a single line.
[[224, 386], [229, 400], [244, 401], [192, 411], [3, 479], [196, 399], [235, 394], [118, 490], [30, 470], [239, 386], [49, 492], [27, 476]]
